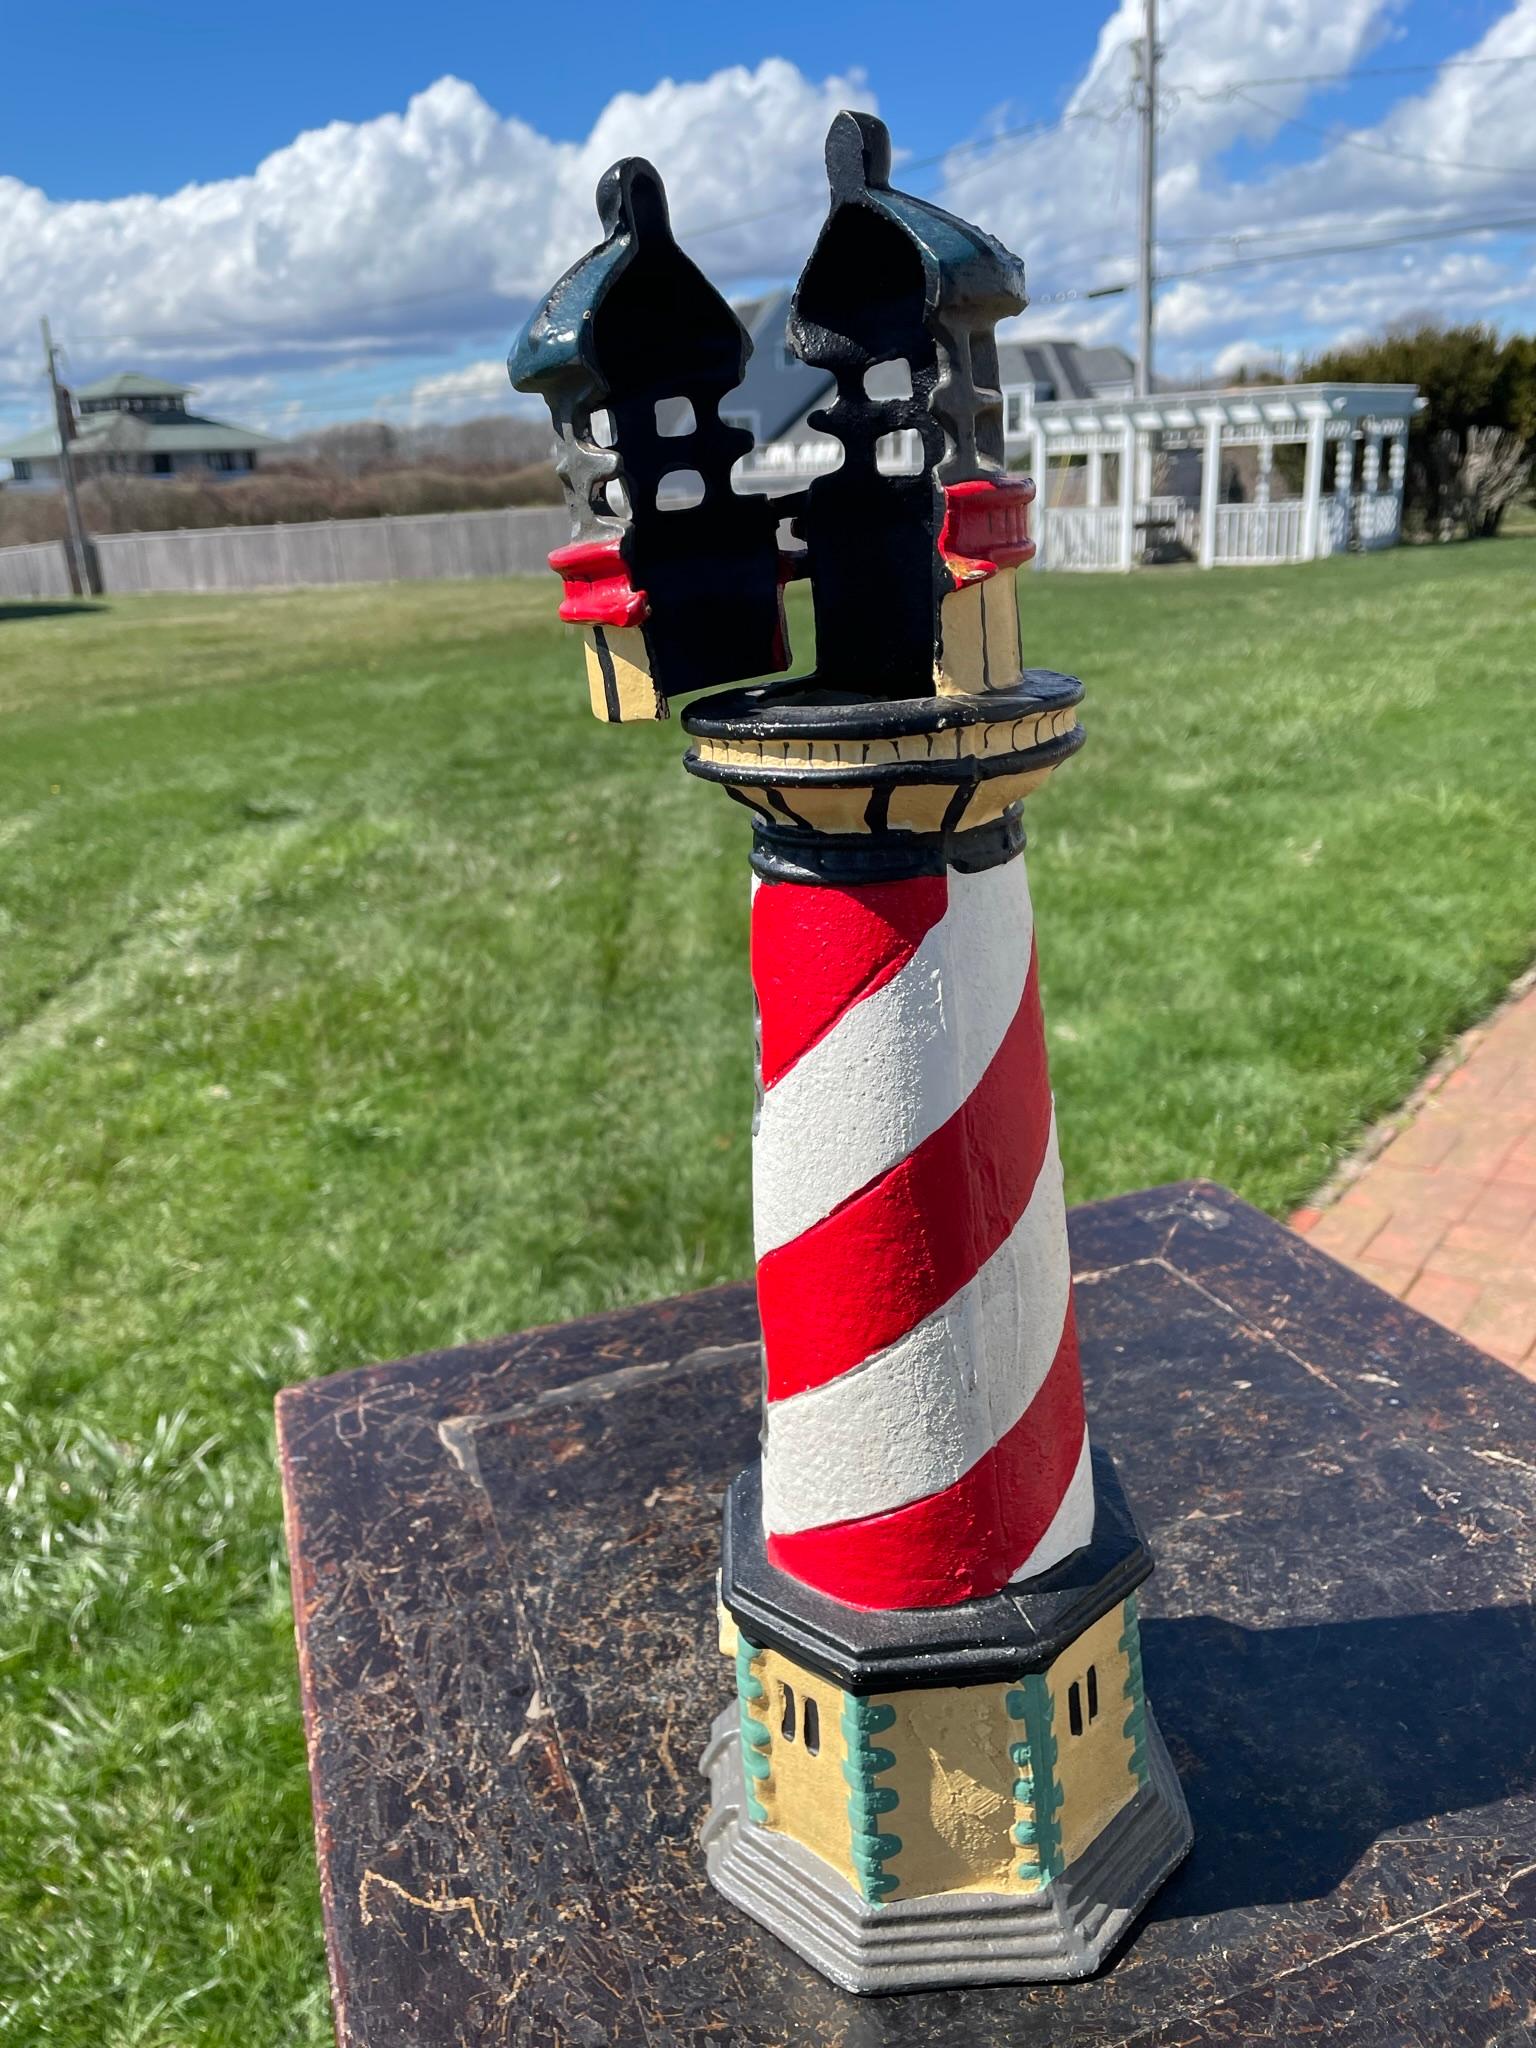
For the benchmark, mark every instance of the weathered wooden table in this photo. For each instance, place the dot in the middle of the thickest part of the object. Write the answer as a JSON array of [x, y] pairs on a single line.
[[503, 1562]]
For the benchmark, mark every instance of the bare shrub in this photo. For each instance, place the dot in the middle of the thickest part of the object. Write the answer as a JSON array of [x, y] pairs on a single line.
[[293, 494]]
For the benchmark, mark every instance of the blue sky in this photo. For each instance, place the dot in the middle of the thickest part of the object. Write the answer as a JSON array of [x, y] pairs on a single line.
[[231, 84], [324, 211]]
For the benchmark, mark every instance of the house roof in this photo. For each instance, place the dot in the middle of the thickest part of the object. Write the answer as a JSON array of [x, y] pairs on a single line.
[[778, 388], [1106, 365], [748, 311], [132, 384], [1246, 412], [1062, 369], [186, 435]]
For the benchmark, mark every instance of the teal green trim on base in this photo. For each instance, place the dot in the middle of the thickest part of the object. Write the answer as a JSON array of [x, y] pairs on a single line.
[[755, 1734], [1135, 1692], [869, 1849], [1035, 1760]]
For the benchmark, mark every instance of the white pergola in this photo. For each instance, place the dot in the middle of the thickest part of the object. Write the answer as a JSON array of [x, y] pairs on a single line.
[[1100, 535]]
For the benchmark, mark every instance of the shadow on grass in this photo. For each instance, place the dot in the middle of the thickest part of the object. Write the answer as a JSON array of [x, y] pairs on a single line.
[[46, 608]]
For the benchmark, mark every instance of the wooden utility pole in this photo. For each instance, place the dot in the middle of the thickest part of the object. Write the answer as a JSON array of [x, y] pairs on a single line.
[[81, 566], [1146, 65]]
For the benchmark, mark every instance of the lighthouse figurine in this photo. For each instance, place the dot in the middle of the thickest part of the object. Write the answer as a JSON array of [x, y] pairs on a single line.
[[940, 1767]]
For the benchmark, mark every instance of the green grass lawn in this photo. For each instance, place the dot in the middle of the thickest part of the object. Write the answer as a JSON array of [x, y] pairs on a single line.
[[359, 994]]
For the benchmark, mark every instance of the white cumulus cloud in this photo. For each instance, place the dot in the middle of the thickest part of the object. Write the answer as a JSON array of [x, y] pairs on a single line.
[[404, 234], [1068, 198], [386, 263]]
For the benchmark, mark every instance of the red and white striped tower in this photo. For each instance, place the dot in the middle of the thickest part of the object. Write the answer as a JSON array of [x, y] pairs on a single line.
[[924, 1440], [927, 1575]]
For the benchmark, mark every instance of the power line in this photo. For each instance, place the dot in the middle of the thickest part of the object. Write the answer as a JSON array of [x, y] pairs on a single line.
[[1232, 85], [1000, 143], [1513, 223], [1012, 137], [1240, 236], [1346, 141], [320, 387], [1446, 231], [393, 385], [280, 407], [443, 296]]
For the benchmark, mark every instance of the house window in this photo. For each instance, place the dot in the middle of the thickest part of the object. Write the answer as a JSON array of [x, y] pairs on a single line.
[[161, 465], [1093, 1692], [22, 471], [1013, 418], [812, 1724], [787, 1717]]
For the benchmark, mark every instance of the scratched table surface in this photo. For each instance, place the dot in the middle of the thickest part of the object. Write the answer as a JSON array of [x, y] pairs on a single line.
[[504, 1561]]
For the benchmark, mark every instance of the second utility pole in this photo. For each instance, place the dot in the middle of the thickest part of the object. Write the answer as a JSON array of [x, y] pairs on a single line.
[[1147, 55], [82, 569]]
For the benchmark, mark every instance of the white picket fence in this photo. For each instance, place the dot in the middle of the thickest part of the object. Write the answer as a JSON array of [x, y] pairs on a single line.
[[1277, 532], [516, 542], [1091, 536], [410, 548], [1378, 519], [1258, 533], [41, 570], [1080, 537]]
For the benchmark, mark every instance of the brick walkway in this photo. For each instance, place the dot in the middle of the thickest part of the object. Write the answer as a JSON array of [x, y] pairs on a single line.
[[1443, 1213]]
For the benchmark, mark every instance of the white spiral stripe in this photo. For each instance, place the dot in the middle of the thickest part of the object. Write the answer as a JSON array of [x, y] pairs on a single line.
[[898, 1064], [916, 1416], [1071, 1525]]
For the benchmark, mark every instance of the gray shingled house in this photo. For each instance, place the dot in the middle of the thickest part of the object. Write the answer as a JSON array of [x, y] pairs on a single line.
[[133, 425], [780, 391]]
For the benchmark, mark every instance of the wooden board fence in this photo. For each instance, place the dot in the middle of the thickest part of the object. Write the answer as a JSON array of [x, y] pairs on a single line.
[[416, 547]]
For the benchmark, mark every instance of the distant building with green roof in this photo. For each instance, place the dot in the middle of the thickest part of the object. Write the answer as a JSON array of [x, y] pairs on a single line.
[[133, 425]]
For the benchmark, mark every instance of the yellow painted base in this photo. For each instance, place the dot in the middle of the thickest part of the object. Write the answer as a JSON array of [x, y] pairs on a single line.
[[954, 1791], [949, 1789], [1093, 1769], [806, 1792], [979, 646], [619, 676]]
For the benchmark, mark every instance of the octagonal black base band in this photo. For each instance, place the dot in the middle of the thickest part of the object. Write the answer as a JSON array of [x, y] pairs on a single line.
[[788, 853], [806, 707], [1023, 1628]]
